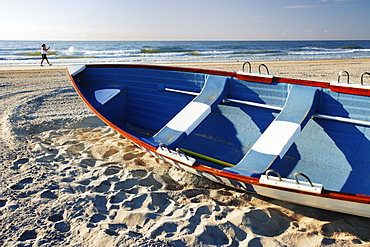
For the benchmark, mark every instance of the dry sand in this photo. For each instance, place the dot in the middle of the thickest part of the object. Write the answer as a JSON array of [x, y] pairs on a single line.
[[68, 180]]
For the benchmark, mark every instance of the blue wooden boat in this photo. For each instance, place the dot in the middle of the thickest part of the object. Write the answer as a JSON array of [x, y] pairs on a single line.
[[300, 141]]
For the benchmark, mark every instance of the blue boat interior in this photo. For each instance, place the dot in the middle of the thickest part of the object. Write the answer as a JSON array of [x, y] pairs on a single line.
[[292, 136]]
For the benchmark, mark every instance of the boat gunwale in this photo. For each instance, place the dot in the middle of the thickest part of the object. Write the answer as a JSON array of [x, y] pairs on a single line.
[[333, 87]]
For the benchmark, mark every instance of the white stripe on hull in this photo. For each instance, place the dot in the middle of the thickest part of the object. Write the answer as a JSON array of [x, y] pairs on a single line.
[[355, 208]]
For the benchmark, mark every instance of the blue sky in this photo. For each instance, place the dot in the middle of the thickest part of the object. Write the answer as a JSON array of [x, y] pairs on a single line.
[[184, 19]]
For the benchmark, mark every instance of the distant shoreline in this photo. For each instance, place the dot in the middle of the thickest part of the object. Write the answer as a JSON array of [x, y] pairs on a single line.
[[316, 70], [100, 52], [183, 64]]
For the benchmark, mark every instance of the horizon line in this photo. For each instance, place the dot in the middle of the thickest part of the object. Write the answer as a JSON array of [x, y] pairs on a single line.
[[175, 40]]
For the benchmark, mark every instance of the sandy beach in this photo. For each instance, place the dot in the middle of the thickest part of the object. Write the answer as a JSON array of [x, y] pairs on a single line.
[[69, 180]]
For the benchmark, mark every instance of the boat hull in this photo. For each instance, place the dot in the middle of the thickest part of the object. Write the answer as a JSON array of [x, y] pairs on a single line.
[[213, 104]]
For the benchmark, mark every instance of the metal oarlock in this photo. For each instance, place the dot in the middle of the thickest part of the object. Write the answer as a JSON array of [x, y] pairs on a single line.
[[340, 74], [164, 146], [301, 174], [362, 77], [249, 66], [180, 152], [270, 171], [262, 65]]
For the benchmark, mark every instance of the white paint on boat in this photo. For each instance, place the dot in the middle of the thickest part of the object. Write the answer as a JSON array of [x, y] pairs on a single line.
[[104, 95], [75, 69], [291, 184], [178, 156], [348, 207], [350, 85], [277, 138], [189, 117], [255, 74]]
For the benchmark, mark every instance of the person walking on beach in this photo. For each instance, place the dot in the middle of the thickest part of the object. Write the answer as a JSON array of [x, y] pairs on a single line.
[[43, 54]]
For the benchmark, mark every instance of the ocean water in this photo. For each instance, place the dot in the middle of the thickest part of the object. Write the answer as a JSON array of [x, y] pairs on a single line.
[[87, 52]]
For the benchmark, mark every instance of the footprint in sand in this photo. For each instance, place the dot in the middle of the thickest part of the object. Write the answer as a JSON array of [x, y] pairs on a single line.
[[28, 234], [48, 194], [261, 241], [111, 170], [56, 217], [103, 186], [266, 222], [129, 156], [139, 173], [88, 162], [62, 226], [20, 185], [97, 218], [119, 197], [2, 203], [190, 193], [126, 185], [209, 233], [19, 162]]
